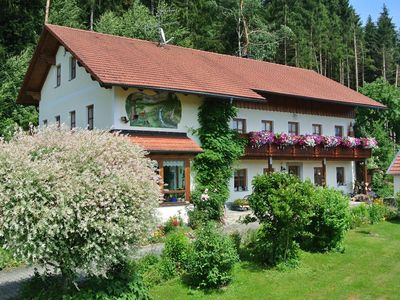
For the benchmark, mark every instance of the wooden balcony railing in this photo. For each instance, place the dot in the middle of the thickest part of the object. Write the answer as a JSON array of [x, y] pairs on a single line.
[[306, 153]]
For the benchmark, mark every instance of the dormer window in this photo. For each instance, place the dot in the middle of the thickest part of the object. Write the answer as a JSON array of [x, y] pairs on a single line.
[[72, 68], [58, 76]]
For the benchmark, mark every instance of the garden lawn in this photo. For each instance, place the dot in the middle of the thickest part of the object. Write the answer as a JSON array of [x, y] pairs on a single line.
[[368, 269]]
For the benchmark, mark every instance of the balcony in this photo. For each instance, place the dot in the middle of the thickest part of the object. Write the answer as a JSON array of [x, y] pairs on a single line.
[[273, 148]]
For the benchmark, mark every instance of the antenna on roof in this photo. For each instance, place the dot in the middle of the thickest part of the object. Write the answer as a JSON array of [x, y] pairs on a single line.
[[163, 40]]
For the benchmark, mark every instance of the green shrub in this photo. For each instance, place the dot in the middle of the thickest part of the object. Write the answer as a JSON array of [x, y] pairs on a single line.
[[211, 259], [197, 218], [172, 224], [359, 215], [241, 202], [7, 260], [155, 269], [76, 200], [122, 282], [377, 213], [176, 248], [329, 221], [282, 205], [236, 240]]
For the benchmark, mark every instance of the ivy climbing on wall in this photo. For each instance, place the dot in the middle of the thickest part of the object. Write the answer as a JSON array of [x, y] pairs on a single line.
[[214, 167]]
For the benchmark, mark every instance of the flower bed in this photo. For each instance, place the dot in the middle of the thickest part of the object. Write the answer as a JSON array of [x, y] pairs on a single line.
[[261, 138]]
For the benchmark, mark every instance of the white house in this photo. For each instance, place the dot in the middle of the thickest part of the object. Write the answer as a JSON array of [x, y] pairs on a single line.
[[152, 93], [394, 170]]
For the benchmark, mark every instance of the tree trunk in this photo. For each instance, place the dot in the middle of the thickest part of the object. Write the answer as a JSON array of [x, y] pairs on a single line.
[[46, 16], [296, 56], [239, 31], [245, 32], [341, 72], [362, 63], [321, 67], [284, 39], [91, 17], [397, 75], [348, 71], [355, 57], [384, 63]]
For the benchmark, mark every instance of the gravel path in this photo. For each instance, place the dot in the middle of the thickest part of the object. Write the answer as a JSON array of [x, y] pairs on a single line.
[[11, 281]]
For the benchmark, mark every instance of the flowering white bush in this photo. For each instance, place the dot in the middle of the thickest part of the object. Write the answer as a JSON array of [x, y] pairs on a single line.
[[75, 200]]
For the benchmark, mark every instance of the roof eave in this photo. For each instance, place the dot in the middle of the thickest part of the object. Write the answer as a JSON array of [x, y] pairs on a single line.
[[184, 91], [323, 100]]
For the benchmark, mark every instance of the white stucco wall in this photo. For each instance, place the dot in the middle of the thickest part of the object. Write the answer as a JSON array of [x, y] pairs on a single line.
[[254, 117], [255, 167], [189, 120], [75, 94], [165, 212], [396, 184]]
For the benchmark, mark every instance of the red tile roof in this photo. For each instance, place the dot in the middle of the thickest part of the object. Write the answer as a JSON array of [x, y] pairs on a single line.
[[114, 60], [161, 144], [394, 168]]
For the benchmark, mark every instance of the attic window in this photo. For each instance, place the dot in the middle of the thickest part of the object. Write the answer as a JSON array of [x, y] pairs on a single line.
[[58, 74], [72, 68]]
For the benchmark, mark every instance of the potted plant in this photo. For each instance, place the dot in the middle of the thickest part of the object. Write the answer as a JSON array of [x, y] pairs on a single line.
[[241, 205]]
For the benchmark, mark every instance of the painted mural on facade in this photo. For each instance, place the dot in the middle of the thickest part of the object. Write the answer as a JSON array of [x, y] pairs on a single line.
[[162, 110]]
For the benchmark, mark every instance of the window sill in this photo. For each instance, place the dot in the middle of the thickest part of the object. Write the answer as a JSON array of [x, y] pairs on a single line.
[[168, 204]]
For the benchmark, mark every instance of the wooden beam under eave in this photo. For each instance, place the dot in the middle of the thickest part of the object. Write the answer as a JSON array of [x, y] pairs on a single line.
[[34, 95], [47, 58]]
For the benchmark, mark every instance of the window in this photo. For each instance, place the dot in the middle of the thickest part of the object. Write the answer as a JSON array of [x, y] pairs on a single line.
[[339, 131], [294, 170], [58, 121], [175, 175], [44, 122], [58, 74], [240, 180], [239, 125], [340, 176], [90, 117], [318, 176], [72, 68], [72, 116], [268, 126], [293, 128], [317, 129]]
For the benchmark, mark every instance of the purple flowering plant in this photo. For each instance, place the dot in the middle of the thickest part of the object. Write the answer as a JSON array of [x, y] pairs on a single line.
[[261, 138]]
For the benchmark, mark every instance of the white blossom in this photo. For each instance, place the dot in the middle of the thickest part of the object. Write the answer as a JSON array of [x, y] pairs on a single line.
[[78, 200]]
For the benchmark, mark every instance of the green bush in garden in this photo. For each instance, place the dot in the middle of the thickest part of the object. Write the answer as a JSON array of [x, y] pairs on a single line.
[[282, 205], [376, 213], [359, 215], [176, 248], [75, 200], [329, 221], [122, 282], [155, 269], [211, 259]]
